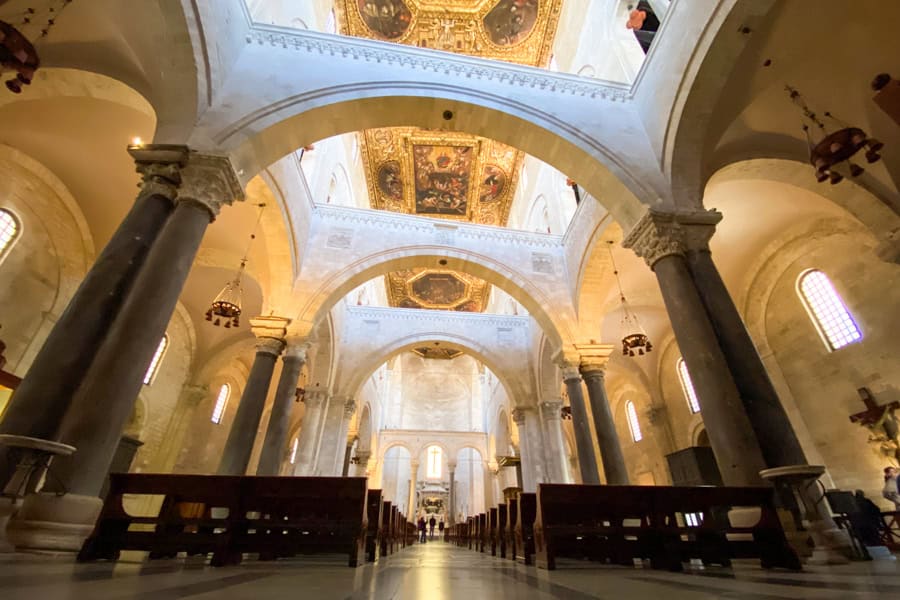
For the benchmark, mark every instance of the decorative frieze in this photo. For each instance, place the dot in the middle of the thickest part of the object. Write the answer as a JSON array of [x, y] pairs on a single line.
[[378, 314], [415, 59]]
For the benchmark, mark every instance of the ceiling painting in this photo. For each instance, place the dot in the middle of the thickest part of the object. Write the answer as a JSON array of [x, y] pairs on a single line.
[[436, 289], [439, 174], [519, 31], [437, 352]]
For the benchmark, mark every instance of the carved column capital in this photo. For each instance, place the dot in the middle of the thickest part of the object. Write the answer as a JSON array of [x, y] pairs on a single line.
[[160, 168], [314, 399], [270, 333], [413, 465], [551, 410], [363, 456], [210, 181], [593, 369], [349, 407], [519, 415], [451, 466], [660, 234], [570, 372], [296, 348]]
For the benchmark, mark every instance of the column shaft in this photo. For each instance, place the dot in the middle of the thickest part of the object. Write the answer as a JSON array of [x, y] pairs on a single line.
[[555, 451], [730, 433], [309, 433], [239, 446], [411, 505], [106, 398], [452, 516], [280, 418], [42, 399], [607, 436], [587, 462], [777, 439]]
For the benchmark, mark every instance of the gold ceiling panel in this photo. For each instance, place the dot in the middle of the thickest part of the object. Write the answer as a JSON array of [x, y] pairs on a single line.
[[519, 31], [440, 174], [447, 175]]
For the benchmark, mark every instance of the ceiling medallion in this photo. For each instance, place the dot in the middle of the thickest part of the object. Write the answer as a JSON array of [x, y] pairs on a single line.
[[635, 338], [836, 146]]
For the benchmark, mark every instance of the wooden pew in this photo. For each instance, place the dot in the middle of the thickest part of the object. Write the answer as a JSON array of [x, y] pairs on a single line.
[[373, 530], [667, 525], [482, 532], [510, 533], [525, 526], [384, 528], [470, 537], [499, 539], [492, 531], [229, 516]]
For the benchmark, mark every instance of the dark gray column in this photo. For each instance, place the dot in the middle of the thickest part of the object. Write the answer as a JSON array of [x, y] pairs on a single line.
[[731, 435], [550, 413], [777, 439], [280, 419], [42, 399], [607, 436], [105, 400], [587, 461], [451, 469], [239, 446]]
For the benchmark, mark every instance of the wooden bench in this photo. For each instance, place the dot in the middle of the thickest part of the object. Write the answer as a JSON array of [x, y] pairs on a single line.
[[499, 533], [524, 528], [667, 525], [229, 516], [384, 528], [510, 533], [482, 540], [491, 531], [891, 533], [374, 527]]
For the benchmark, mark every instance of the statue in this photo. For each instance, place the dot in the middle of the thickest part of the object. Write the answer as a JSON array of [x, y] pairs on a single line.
[[882, 423]]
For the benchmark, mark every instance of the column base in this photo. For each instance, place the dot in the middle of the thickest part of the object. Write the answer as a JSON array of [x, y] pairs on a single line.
[[832, 545], [51, 523]]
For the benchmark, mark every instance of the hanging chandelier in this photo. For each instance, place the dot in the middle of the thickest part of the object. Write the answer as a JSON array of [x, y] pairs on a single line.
[[17, 53], [635, 339], [227, 304], [835, 147]]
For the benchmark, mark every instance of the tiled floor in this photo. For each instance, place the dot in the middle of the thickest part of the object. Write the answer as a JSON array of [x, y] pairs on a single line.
[[434, 571]]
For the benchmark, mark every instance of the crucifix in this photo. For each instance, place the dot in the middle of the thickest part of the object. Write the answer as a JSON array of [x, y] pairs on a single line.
[[881, 422]]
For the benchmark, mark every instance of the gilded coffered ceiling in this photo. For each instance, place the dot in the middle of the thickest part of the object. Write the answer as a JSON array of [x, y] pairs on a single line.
[[443, 174]]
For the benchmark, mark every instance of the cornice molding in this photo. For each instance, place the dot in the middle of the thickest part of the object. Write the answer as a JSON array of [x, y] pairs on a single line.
[[447, 63], [433, 316], [444, 233]]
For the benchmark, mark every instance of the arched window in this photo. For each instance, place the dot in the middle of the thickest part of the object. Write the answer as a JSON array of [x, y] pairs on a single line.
[[294, 449], [434, 462], [827, 311], [687, 386], [156, 361], [633, 424], [9, 230], [221, 402]]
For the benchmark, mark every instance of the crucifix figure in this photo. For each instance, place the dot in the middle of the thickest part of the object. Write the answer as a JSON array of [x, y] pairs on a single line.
[[881, 422]]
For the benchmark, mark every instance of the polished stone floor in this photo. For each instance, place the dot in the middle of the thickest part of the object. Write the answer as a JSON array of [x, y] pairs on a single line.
[[434, 571]]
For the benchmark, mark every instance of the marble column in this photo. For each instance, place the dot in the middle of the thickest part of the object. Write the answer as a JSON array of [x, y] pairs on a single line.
[[584, 444], [607, 437], [269, 332], [61, 365], [555, 449], [105, 400], [411, 502], [451, 470], [487, 488], [315, 403], [659, 242], [272, 455], [777, 439]]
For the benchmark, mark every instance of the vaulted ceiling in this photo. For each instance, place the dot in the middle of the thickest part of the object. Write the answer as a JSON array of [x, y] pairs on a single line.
[[442, 174]]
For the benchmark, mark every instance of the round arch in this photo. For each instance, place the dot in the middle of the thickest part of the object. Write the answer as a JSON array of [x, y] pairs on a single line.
[[490, 357], [555, 323], [262, 137]]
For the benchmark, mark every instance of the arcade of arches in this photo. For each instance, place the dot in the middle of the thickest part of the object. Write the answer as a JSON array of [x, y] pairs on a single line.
[[439, 216]]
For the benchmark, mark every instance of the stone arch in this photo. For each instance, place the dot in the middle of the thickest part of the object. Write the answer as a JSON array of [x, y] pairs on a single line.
[[518, 285], [263, 136], [488, 356]]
